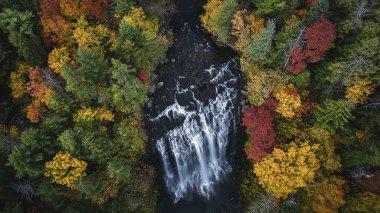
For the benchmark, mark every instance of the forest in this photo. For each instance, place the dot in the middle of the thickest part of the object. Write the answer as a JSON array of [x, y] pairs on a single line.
[[75, 79]]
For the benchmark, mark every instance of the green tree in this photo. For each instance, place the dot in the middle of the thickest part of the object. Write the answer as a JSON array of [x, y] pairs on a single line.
[[123, 7], [131, 138], [119, 169], [28, 158], [363, 202], [19, 26], [84, 80], [366, 155], [268, 6], [128, 91], [333, 114], [89, 142], [260, 48]]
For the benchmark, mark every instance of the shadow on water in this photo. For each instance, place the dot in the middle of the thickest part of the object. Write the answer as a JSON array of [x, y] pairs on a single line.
[[192, 52]]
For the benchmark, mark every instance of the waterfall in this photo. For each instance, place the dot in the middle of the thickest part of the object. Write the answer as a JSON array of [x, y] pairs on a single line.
[[194, 152]]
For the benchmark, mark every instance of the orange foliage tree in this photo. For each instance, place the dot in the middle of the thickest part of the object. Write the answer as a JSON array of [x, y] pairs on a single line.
[[55, 28], [97, 9], [37, 87], [35, 111]]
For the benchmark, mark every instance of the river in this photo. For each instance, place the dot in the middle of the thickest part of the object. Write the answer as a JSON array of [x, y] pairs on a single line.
[[194, 118]]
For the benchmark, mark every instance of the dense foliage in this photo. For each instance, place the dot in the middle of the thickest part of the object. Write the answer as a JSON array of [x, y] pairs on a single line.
[[318, 60], [78, 71], [79, 77]]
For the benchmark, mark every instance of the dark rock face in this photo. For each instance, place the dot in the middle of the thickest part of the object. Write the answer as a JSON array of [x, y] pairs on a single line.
[[191, 54]]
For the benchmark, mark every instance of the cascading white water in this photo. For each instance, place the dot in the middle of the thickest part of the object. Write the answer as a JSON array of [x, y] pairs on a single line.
[[194, 152]]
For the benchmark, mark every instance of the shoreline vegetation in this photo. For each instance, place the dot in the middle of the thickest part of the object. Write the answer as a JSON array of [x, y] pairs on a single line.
[[76, 74], [312, 71]]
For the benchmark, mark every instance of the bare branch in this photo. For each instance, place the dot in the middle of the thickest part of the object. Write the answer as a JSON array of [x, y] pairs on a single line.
[[10, 143], [293, 44], [360, 173], [359, 12], [25, 189]]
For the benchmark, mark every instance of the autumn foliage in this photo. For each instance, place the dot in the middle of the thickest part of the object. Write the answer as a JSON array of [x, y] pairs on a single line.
[[35, 111], [289, 101], [359, 90], [144, 77], [297, 61], [65, 169], [37, 87], [55, 27], [319, 39], [96, 9], [262, 137], [285, 171]]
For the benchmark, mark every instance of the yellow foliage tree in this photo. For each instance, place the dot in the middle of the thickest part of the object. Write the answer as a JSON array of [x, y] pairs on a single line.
[[245, 27], [65, 169], [139, 20], [289, 101], [359, 90], [363, 135], [58, 57], [325, 196], [262, 82], [18, 82], [94, 38], [88, 114], [212, 10], [326, 151], [71, 8], [284, 171]]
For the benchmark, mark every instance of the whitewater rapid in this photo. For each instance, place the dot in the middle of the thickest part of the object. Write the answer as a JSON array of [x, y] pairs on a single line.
[[194, 153]]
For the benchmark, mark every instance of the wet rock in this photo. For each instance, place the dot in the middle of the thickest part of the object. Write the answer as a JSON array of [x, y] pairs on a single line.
[[152, 89], [149, 104], [160, 84], [173, 60], [244, 92], [153, 77]]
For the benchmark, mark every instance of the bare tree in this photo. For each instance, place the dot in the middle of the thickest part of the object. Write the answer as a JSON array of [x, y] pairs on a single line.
[[337, 87], [360, 173], [10, 143], [373, 104], [264, 204], [359, 12], [290, 202], [298, 41], [25, 189]]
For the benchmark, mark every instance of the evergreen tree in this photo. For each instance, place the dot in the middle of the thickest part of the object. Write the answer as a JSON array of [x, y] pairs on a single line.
[[333, 114], [84, 80], [19, 26]]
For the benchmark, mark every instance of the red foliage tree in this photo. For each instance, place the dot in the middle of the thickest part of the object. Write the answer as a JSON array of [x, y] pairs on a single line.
[[297, 61], [144, 77], [97, 9], [311, 2], [319, 39], [262, 137]]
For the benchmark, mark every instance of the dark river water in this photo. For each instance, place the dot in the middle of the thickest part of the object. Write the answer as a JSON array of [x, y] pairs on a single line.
[[194, 120]]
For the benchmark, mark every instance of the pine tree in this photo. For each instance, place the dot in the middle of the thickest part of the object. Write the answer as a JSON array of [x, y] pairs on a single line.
[[19, 26], [333, 114], [83, 81]]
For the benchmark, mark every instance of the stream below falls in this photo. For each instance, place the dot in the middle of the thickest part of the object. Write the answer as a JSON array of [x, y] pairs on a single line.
[[194, 116]]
